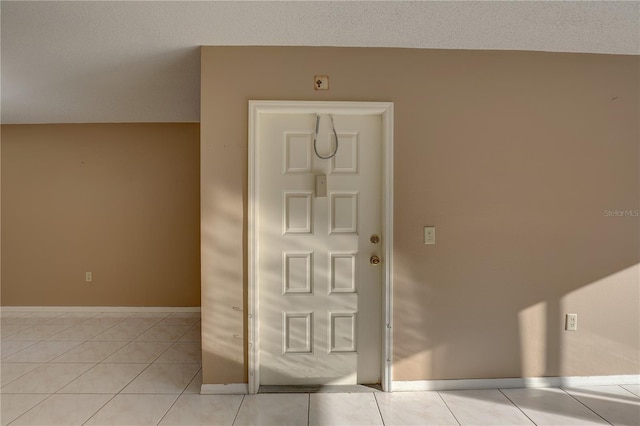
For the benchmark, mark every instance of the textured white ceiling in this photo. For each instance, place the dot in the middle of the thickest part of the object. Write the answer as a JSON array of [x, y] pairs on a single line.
[[94, 61]]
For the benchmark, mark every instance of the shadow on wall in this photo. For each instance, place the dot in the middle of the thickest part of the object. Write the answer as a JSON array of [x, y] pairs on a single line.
[[519, 196], [529, 310], [223, 322]]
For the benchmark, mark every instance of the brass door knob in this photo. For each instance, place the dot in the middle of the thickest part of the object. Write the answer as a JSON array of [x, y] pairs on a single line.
[[374, 260]]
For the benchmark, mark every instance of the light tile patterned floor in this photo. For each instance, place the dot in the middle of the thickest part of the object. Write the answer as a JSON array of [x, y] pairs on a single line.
[[139, 369]]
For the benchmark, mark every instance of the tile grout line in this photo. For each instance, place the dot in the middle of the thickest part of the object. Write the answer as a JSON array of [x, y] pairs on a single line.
[[138, 335], [75, 378], [517, 406], [378, 405], [448, 408], [172, 404], [585, 405], [238, 410], [22, 375], [131, 340], [163, 352], [61, 387], [63, 353], [47, 361], [4, 337], [131, 381], [80, 323], [19, 350], [12, 421], [44, 339], [627, 390], [99, 362], [103, 405]]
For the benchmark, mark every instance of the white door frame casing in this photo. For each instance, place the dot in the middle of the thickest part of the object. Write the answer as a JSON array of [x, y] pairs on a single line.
[[385, 110]]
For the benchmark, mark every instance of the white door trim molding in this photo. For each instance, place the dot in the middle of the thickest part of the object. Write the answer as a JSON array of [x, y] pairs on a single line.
[[385, 110]]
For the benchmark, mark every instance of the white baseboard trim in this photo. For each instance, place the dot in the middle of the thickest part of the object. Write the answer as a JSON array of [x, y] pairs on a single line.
[[525, 382], [99, 309], [230, 389]]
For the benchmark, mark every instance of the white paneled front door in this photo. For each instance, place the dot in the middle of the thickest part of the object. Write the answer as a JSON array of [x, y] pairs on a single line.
[[318, 224]]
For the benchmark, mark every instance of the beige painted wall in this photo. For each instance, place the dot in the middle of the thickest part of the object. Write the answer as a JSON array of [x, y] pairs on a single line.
[[119, 200], [513, 156]]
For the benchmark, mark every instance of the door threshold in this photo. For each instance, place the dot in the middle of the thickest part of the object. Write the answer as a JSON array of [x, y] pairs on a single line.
[[319, 388]]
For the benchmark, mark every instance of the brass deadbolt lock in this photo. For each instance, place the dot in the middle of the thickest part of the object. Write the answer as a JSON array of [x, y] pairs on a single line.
[[375, 239]]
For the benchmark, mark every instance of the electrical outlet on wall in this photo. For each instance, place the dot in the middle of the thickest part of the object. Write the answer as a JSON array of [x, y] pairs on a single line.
[[429, 234], [571, 322], [88, 277]]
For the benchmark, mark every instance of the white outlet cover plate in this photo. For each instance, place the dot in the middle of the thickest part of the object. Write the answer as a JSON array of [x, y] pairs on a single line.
[[571, 323], [429, 234]]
